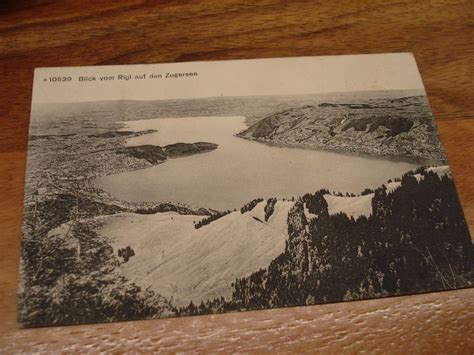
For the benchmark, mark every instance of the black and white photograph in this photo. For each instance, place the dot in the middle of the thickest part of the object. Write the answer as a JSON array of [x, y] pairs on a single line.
[[197, 188]]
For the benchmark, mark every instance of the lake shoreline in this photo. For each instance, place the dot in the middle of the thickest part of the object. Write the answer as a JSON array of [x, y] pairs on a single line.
[[256, 170], [356, 153]]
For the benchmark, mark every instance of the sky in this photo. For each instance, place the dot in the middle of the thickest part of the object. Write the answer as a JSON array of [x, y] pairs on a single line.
[[276, 76]]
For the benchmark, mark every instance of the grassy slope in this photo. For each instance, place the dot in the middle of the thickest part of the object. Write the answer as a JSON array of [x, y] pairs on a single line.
[[187, 264]]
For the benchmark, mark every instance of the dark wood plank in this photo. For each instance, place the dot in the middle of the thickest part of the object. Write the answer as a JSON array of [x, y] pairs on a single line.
[[39, 33]]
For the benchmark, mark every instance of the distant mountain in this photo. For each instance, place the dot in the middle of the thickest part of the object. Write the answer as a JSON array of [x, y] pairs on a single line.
[[400, 126]]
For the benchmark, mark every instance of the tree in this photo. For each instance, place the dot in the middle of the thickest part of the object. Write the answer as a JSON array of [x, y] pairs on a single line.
[[126, 253]]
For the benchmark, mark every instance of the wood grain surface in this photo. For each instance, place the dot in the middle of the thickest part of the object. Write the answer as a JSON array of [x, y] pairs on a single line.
[[45, 33]]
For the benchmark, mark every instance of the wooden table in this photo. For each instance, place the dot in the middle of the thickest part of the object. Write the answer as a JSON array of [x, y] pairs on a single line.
[[41, 33]]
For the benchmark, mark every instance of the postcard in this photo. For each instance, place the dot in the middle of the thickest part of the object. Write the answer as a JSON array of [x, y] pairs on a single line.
[[198, 188]]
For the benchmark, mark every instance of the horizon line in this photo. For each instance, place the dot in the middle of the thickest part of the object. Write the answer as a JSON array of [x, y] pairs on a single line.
[[224, 96]]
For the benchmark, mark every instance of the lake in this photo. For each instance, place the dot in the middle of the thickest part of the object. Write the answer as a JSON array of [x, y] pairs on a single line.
[[239, 170]]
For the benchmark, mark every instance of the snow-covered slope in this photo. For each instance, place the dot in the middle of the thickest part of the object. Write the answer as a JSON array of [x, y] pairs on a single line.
[[352, 206], [362, 205], [187, 264], [309, 216], [440, 170], [392, 186]]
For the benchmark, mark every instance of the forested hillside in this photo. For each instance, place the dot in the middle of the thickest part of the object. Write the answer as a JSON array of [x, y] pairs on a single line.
[[74, 278], [414, 240]]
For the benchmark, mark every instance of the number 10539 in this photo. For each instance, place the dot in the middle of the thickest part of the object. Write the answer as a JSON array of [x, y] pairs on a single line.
[[59, 78]]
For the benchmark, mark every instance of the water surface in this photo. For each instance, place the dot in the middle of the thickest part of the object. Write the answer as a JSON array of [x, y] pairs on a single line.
[[240, 170]]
